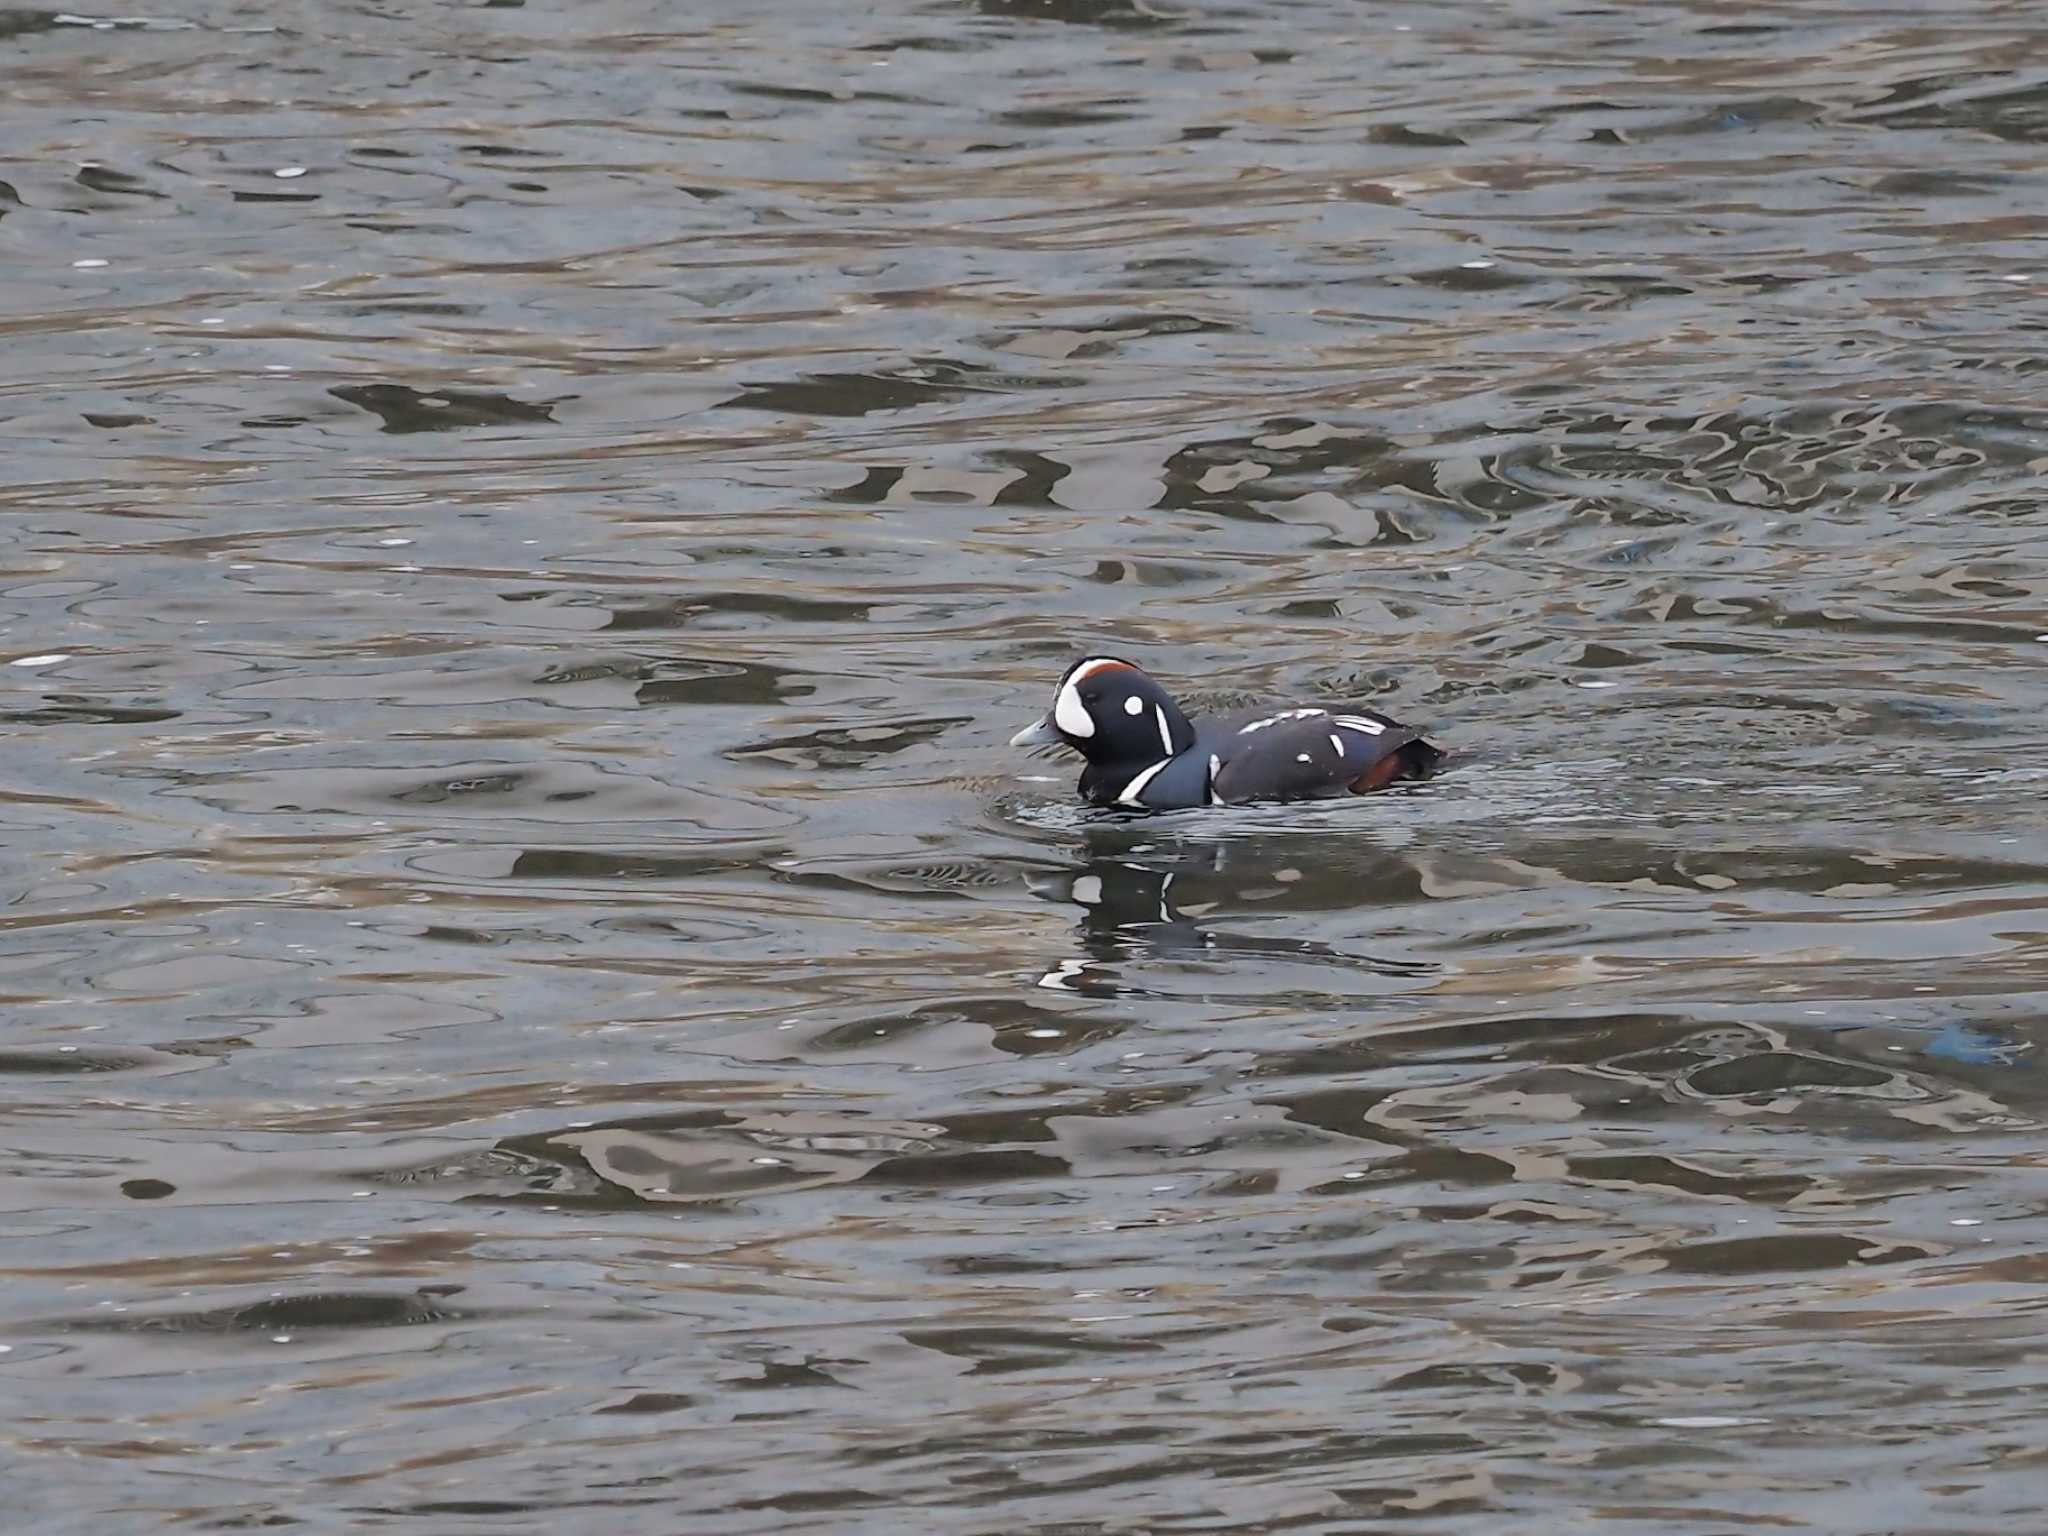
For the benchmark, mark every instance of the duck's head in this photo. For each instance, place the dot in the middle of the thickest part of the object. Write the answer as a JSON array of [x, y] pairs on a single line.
[[1108, 710]]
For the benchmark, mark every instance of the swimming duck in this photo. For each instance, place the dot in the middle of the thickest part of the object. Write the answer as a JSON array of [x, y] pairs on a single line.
[[1145, 754]]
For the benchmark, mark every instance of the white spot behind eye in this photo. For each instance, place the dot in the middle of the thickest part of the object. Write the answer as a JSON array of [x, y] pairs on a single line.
[[1165, 731], [1134, 705], [1301, 757], [1071, 715]]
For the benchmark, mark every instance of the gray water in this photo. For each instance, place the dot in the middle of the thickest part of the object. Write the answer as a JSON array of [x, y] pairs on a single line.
[[537, 998]]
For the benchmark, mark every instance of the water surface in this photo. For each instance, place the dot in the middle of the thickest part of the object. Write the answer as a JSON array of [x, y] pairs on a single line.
[[537, 998]]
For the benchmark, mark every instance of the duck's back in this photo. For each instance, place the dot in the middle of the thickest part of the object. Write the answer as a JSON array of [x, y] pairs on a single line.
[[1307, 753]]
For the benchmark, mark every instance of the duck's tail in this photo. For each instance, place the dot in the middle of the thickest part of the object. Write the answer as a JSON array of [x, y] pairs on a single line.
[[1416, 759]]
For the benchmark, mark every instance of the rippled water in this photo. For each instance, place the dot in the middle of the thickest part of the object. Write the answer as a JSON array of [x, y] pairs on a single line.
[[539, 1000]]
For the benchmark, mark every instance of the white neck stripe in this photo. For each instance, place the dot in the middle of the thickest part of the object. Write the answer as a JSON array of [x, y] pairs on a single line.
[[1131, 791]]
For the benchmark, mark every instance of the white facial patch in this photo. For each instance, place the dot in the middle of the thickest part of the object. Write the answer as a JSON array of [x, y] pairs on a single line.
[[1165, 731], [1134, 705], [1070, 714]]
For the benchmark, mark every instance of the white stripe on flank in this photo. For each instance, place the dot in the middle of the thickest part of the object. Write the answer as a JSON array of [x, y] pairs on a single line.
[[1136, 787], [1165, 730], [1285, 714]]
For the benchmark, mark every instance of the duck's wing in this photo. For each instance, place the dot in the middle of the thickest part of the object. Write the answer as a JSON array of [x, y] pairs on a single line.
[[1302, 754]]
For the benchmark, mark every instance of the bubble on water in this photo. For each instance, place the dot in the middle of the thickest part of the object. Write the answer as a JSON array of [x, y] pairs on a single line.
[[1705, 1421]]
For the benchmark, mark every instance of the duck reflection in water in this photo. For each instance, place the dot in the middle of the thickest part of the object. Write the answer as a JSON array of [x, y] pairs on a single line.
[[1143, 898]]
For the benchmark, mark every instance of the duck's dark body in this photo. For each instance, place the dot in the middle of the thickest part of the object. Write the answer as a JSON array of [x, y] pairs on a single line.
[[1143, 753]]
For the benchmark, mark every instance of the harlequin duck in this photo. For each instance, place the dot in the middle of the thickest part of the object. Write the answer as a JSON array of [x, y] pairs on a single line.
[[1143, 752]]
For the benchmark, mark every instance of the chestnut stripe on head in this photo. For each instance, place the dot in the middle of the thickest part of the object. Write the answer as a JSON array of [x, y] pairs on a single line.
[[1095, 664]]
